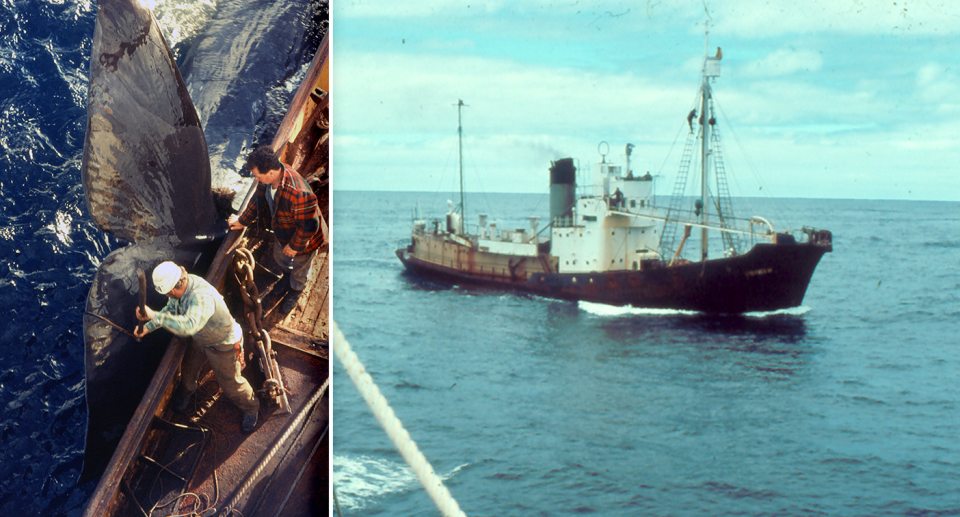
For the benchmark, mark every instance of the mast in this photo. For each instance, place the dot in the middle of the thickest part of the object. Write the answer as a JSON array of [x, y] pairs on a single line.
[[711, 69], [460, 105], [704, 145]]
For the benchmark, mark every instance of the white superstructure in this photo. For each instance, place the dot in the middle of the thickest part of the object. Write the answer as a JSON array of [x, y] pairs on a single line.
[[610, 230]]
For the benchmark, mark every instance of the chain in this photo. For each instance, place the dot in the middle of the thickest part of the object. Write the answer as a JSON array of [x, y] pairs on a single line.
[[245, 264]]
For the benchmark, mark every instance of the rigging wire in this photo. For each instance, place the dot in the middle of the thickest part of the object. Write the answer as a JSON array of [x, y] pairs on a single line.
[[486, 195], [472, 168], [764, 190], [693, 105], [441, 179], [483, 190]]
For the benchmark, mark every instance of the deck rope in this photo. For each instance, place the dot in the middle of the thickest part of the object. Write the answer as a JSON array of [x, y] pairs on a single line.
[[392, 425]]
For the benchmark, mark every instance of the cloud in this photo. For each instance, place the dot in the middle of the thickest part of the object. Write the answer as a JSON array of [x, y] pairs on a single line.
[[785, 62], [747, 18], [763, 18], [936, 84], [413, 95], [543, 87]]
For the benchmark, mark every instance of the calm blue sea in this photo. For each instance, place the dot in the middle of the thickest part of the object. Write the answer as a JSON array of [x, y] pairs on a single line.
[[847, 405]]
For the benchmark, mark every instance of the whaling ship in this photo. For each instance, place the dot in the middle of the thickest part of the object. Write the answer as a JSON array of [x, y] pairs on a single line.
[[610, 244]]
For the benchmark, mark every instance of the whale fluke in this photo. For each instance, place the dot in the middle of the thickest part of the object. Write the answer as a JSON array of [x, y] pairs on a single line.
[[146, 179]]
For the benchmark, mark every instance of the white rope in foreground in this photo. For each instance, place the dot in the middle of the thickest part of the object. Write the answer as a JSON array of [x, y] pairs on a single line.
[[392, 425]]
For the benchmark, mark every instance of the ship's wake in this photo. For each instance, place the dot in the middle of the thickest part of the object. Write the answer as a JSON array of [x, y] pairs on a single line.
[[359, 480], [613, 311]]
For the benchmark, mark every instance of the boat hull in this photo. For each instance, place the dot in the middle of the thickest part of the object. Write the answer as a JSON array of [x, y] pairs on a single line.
[[769, 277], [200, 462]]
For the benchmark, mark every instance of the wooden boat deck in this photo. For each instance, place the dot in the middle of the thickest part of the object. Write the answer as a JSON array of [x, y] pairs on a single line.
[[307, 327], [198, 462], [202, 461]]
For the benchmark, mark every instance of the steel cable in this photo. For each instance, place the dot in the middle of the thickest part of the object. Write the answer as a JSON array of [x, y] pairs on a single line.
[[276, 447]]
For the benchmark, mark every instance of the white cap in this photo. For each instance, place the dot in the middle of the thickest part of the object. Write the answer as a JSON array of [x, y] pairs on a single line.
[[165, 276]]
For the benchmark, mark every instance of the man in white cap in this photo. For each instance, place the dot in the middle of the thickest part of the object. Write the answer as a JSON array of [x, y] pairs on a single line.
[[195, 309]]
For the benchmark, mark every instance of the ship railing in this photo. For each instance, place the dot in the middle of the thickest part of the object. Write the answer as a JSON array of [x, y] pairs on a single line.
[[471, 229], [589, 191], [734, 225], [502, 234], [818, 237], [564, 222], [404, 244]]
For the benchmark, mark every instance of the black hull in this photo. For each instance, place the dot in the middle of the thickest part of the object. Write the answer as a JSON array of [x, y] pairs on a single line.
[[769, 277]]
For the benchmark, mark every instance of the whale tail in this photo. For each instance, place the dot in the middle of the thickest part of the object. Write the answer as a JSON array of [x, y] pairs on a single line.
[[146, 179]]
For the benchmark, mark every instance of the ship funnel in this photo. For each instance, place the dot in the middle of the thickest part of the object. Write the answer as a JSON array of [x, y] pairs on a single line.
[[563, 186]]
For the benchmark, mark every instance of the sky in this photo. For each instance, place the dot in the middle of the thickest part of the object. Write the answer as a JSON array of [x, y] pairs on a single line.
[[834, 99]]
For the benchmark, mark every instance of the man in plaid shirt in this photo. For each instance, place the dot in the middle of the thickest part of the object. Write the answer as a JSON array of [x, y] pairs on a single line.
[[285, 198]]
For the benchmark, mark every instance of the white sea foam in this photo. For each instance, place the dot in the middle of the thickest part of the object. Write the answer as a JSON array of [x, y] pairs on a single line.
[[359, 479], [612, 311], [793, 311]]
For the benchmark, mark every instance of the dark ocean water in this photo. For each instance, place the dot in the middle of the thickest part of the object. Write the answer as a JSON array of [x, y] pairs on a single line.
[[847, 405], [50, 251], [49, 248]]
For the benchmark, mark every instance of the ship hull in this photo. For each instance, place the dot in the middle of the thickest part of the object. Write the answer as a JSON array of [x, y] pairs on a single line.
[[767, 278]]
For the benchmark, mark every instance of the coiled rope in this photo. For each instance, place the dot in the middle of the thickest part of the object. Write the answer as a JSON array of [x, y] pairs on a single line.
[[392, 425]]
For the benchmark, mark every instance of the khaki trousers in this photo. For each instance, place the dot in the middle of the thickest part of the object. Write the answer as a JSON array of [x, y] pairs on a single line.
[[226, 367], [301, 264]]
